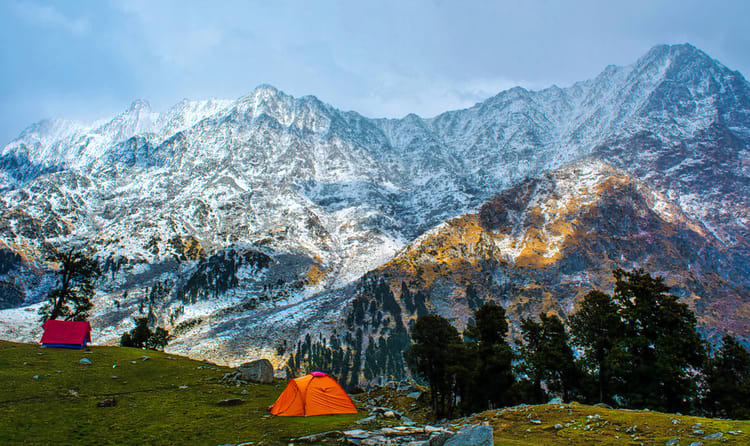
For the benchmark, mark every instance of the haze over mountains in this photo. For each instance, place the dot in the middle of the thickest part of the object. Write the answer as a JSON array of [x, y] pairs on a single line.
[[245, 225]]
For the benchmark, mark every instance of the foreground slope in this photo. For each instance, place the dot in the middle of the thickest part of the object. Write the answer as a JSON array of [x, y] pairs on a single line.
[[52, 398]]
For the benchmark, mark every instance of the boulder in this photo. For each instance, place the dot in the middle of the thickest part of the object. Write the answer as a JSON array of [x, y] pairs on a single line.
[[472, 435], [260, 371]]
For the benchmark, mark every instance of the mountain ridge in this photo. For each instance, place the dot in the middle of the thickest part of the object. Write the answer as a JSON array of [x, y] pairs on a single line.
[[187, 201]]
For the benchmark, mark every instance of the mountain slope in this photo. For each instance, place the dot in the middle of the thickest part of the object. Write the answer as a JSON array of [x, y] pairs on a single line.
[[259, 215]]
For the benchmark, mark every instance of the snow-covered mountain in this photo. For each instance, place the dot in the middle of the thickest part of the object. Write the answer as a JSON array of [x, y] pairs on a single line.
[[244, 225]]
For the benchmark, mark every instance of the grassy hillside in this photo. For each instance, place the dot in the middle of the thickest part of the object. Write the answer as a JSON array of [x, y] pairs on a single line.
[[48, 397], [152, 407]]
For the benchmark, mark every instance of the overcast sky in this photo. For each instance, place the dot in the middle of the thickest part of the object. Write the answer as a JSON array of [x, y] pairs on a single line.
[[90, 59]]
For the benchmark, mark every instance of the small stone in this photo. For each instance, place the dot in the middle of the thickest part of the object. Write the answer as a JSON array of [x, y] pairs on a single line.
[[557, 400], [109, 402], [85, 361], [183, 387], [35, 377], [414, 395], [696, 443], [134, 362], [231, 402], [715, 436], [696, 426], [114, 377], [367, 420], [144, 358], [244, 391], [72, 392], [389, 414], [558, 426], [675, 421], [58, 371], [535, 421], [114, 366], [673, 441], [698, 432], [733, 432]]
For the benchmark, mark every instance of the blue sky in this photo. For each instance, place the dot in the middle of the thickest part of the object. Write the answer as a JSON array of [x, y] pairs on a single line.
[[90, 59]]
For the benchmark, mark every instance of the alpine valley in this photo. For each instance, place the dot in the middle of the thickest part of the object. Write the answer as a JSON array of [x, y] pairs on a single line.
[[281, 227]]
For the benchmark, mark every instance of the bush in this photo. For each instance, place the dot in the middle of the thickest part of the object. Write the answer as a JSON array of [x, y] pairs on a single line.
[[141, 336]]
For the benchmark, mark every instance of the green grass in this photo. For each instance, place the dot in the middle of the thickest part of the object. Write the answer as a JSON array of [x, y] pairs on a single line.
[[513, 427], [151, 408]]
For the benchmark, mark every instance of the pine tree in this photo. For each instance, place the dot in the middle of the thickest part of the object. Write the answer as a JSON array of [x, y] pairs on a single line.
[[433, 355], [492, 357], [657, 357], [597, 327], [77, 275], [546, 357], [727, 379]]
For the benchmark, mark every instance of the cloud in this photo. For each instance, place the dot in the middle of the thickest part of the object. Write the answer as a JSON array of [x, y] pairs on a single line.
[[47, 16], [399, 95]]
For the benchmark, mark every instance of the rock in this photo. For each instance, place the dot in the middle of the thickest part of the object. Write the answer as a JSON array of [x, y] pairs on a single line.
[[183, 387], [114, 366], [414, 395], [535, 421], [368, 420], [314, 438], [439, 438], [631, 429], [389, 414], [715, 436], [109, 402], [558, 426], [557, 400], [260, 371], [696, 426], [35, 377], [85, 361], [673, 441], [244, 391], [472, 435], [734, 432], [698, 432], [134, 362], [231, 402], [72, 392], [696, 443], [114, 377], [145, 358], [356, 433]]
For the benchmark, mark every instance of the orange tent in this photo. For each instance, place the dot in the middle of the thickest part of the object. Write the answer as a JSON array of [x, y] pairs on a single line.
[[313, 394]]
